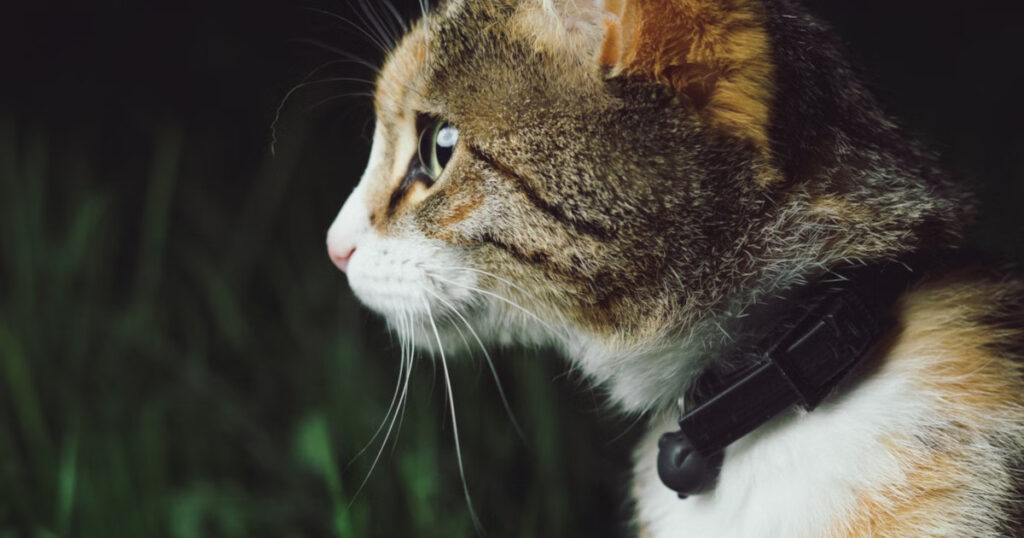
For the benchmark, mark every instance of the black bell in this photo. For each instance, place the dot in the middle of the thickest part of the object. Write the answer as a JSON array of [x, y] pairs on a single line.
[[683, 469]]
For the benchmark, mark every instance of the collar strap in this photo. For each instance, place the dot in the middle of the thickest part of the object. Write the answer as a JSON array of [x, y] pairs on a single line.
[[829, 329]]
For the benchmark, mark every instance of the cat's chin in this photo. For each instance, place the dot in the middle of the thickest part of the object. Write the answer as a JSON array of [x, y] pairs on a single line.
[[636, 379]]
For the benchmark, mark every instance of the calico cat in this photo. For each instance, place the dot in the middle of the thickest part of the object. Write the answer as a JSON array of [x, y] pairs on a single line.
[[635, 182]]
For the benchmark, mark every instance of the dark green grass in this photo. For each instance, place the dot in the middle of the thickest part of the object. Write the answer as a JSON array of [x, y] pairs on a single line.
[[178, 358]]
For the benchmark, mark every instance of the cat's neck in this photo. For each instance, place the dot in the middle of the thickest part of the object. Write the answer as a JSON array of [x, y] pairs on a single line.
[[657, 375]]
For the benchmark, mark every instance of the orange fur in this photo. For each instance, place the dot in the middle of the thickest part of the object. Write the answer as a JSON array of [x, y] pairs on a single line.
[[459, 212], [929, 490], [716, 53], [949, 347], [611, 49]]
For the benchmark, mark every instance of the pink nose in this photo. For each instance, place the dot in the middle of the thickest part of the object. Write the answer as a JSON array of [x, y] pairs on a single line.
[[340, 254]]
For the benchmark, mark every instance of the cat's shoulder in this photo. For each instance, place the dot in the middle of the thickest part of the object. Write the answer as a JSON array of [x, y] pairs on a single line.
[[960, 346], [926, 440]]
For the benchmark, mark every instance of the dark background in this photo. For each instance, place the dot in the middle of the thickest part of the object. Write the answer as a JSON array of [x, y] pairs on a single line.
[[179, 358]]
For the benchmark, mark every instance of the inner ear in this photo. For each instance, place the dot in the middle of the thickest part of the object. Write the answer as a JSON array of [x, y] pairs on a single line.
[[715, 53], [574, 14], [571, 28], [564, 19]]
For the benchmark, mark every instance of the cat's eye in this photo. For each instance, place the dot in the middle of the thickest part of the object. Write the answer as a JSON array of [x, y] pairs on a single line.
[[437, 144]]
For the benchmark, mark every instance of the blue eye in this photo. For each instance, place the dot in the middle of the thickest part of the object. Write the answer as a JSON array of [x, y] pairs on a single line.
[[437, 144]]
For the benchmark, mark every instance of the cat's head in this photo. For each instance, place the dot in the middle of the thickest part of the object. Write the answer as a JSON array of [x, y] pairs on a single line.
[[605, 175]]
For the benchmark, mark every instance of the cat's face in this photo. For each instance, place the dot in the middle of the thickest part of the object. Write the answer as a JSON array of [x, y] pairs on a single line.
[[522, 182], [515, 180], [617, 177]]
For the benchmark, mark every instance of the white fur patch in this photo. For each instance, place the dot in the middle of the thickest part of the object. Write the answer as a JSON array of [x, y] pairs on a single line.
[[795, 477]]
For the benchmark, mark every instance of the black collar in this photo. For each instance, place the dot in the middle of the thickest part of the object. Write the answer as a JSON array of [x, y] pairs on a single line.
[[812, 342]]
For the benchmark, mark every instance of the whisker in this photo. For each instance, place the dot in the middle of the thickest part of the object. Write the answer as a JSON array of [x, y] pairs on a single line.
[[627, 429], [346, 55], [481, 271], [334, 79], [455, 424], [409, 356], [505, 281], [383, 443], [496, 296], [373, 19], [391, 407], [394, 14], [490, 364], [424, 9], [370, 21], [288, 96], [331, 99], [404, 322], [373, 40]]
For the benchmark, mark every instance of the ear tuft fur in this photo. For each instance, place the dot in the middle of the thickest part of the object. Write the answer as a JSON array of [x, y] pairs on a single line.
[[574, 13]]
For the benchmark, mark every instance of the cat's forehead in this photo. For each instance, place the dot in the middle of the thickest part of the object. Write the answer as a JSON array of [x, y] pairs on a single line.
[[400, 77], [474, 59], [407, 81], [441, 44]]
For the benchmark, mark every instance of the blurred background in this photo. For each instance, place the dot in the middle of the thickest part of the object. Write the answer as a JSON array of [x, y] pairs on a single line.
[[178, 357]]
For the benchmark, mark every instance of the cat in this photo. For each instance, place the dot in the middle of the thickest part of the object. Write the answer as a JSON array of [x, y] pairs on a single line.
[[630, 181]]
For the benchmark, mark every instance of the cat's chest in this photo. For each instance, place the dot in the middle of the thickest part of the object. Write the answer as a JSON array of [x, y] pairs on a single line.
[[795, 477]]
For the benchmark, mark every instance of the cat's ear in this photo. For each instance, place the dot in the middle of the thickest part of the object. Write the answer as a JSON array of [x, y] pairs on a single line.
[[715, 53]]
